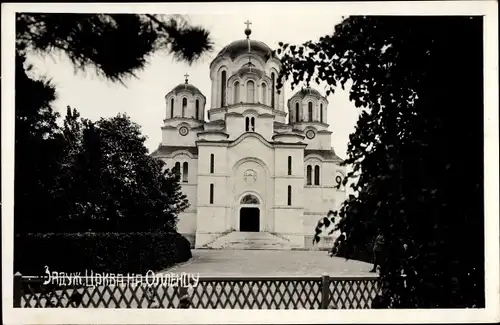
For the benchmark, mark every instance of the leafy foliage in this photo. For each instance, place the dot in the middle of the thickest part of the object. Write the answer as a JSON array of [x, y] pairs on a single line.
[[38, 147], [93, 173], [114, 45], [417, 149], [106, 181]]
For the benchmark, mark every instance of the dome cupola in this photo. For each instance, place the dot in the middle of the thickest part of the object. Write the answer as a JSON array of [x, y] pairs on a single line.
[[307, 91], [239, 47], [186, 87], [245, 72], [185, 101], [307, 105], [244, 46]]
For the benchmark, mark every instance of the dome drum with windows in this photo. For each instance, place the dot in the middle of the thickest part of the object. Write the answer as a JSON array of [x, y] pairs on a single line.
[[185, 101], [307, 106]]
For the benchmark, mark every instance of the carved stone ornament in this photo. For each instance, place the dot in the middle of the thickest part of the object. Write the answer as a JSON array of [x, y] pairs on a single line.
[[250, 176]]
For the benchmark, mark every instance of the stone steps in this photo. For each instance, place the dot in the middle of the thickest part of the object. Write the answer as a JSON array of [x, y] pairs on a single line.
[[251, 240]]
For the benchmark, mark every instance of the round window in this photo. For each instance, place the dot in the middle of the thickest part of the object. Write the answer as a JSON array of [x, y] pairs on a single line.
[[183, 131]]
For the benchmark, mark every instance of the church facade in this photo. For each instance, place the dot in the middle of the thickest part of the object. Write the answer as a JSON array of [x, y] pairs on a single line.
[[260, 163]]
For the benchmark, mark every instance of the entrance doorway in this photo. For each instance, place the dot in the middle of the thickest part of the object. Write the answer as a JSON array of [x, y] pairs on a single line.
[[250, 219]]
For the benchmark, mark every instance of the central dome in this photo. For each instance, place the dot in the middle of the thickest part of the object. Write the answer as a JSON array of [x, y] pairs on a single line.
[[239, 47]]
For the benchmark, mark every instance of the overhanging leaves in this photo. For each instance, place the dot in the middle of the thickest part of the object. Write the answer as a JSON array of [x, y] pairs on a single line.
[[408, 74]]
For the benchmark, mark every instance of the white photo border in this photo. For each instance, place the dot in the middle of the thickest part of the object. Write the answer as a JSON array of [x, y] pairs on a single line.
[[489, 9]]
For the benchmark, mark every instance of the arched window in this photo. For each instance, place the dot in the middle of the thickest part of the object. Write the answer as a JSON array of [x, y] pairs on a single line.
[[185, 172], [211, 193], [250, 91], [309, 175], [172, 108], [273, 89], [184, 106], [177, 168], [237, 92], [249, 199], [321, 113], [289, 165], [247, 124], [197, 109], [223, 89], [297, 113], [310, 111], [264, 93], [252, 124], [212, 163], [289, 195], [316, 175]]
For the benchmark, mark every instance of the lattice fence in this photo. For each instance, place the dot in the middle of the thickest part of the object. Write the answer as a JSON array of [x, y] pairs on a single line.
[[352, 293], [260, 293], [210, 293]]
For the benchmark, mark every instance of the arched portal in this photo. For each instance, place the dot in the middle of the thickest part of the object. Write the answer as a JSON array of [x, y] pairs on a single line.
[[251, 186], [249, 213]]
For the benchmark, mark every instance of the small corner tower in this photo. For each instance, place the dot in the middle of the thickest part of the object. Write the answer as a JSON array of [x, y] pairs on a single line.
[[186, 102]]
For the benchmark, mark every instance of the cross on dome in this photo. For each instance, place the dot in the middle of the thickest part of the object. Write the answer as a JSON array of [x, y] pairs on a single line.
[[187, 76], [248, 31]]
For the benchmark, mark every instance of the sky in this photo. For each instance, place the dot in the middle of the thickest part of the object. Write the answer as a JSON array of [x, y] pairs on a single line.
[[143, 98]]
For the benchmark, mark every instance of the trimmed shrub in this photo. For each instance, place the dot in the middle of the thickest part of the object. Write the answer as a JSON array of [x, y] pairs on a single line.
[[356, 252], [99, 252], [183, 247]]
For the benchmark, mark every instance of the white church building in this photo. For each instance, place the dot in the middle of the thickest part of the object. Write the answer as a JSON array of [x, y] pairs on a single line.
[[261, 164]]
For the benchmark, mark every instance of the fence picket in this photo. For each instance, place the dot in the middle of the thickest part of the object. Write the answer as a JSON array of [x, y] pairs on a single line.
[[325, 291]]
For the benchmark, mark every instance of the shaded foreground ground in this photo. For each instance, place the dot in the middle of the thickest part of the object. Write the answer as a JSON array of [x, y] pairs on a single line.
[[269, 263]]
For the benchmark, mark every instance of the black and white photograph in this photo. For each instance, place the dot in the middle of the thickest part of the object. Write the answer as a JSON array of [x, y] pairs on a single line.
[[242, 157]]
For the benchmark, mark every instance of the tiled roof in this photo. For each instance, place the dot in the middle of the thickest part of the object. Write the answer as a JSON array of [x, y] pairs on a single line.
[[326, 154], [280, 125], [168, 150], [216, 122]]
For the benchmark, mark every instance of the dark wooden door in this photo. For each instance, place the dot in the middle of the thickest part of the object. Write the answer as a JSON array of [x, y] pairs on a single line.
[[250, 219]]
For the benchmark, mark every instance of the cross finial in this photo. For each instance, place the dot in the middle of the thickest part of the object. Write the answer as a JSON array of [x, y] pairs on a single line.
[[187, 76], [248, 31]]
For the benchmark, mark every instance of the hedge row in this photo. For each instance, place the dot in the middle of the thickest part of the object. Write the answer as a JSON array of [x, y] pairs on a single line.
[[99, 252]]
